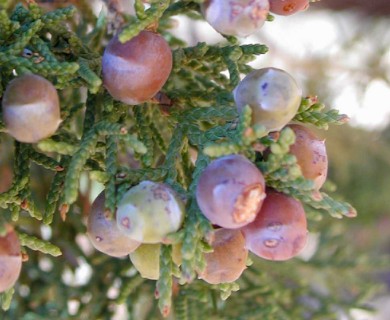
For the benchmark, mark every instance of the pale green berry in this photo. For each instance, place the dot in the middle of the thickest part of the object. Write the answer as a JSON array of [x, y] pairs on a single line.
[[272, 94], [149, 211], [146, 259]]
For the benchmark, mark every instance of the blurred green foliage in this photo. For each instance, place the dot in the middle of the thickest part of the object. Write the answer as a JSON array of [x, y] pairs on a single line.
[[360, 167]]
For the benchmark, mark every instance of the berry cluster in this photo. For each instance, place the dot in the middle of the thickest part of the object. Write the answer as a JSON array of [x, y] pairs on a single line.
[[231, 191], [171, 215]]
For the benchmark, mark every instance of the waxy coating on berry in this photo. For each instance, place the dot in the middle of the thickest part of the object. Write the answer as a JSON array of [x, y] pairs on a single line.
[[279, 231], [104, 233], [311, 155], [230, 191], [10, 259], [149, 211], [31, 108], [272, 94], [288, 7], [236, 17], [146, 259], [228, 259], [134, 71]]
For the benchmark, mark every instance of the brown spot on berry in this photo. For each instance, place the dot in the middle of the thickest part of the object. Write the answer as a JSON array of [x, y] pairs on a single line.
[[289, 7], [125, 222], [165, 311], [159, 192], [271, 243], [248, 203]]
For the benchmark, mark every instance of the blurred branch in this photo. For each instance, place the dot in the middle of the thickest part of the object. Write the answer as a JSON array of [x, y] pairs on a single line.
[[364, 7]]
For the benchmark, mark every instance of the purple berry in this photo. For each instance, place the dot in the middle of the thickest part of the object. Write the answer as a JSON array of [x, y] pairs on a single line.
[[279, 231], [104, 233], [230, 191], [236, 17]]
